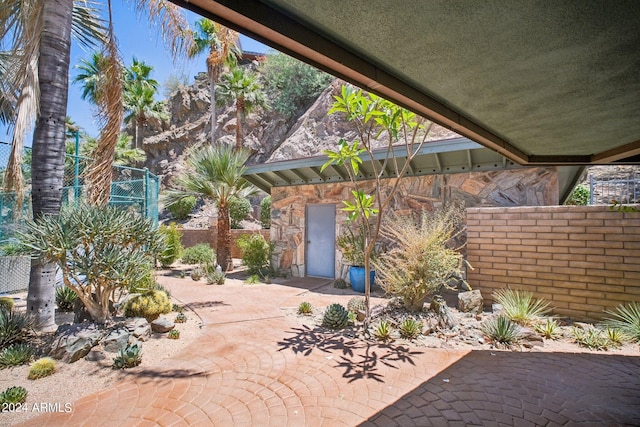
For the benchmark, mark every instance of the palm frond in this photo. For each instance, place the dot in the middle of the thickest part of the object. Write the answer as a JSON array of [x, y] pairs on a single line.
[[174, 27], [88, 28]]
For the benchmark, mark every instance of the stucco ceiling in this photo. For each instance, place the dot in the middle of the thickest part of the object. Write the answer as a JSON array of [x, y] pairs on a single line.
[[542, 82]]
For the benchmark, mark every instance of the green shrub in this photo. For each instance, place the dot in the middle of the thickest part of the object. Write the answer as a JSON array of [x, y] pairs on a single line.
[[173, 247], [65, 298], [7, 303], [15, 327], [15, 355], [12, 247], [149, 305], [627, 319], [520, 306], [42, 368], [256, 252], [579, 196], [410, 328], [340, 284], [198, 254], [181, 209], [216, 278], [128, 357], [239, 208], [501, 330], [254, 279], [265, 212], [305, 308], [382, 330], [335, 317], [13, 395], [173, 334], [421, 261]]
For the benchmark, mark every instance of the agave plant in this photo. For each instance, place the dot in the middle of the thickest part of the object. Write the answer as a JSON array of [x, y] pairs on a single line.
[[305, 308], [549, 329], [410, 328], [382, 330], [501, 330]]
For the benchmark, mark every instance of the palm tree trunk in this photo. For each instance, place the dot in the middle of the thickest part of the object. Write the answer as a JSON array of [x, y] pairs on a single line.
[[49, 147], [223, 246], [212, 90], [239, 117]]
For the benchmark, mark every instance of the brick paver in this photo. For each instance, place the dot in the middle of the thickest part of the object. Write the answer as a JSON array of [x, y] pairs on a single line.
[[254, 366]]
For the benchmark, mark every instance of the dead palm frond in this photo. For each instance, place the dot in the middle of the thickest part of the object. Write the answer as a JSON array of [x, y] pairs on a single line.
[[174, 27]]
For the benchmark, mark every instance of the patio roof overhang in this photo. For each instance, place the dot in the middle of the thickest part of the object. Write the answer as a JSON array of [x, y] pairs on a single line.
[[539, 82], [449, 156]]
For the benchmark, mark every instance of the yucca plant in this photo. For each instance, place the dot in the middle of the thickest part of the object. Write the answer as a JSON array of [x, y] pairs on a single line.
[[382, 330], [65, 297], [410, 329], [128, 357], [15, 355], [615, 336], [13, 395], [520, 306], [305, 308], [15, 327], [627, 319], [549, 329], [501, 330]]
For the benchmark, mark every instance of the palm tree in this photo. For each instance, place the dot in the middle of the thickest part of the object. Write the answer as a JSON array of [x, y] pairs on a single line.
[[40, 33], [215, 173], [139, 102], [124, 155], [223, 47], [241, 87], [90, 76]]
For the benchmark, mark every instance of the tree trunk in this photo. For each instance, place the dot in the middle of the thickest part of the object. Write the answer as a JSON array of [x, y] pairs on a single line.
[[212, 90], [223, 248], [239, 117], [49, 146]]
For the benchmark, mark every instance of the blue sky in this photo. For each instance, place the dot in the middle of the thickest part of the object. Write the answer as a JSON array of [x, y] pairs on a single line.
[[136, 37]]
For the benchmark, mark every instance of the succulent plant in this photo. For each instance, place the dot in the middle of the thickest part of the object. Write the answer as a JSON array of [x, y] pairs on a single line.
[[410, 328], [305, 308], [13, 395], [149, 305], [42, 368], [382, 331], [501, 330], [197, 273], [335, 317], [7, 302], [173, 334], [549, 329], [216, 278], [65, 297], [356, 304], [15, 355], [340, 284], [128, 357], [180, 318]]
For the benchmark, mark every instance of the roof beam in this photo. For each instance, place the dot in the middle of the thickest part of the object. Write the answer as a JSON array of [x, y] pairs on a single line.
[[299, 174], [618, 153], [282, 177], [338, 172], [317, 172], [438, 163]]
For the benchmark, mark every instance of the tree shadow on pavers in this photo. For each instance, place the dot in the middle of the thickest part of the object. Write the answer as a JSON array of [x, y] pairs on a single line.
[[165, 375], [358, 359], [204, 304], [497, 387]]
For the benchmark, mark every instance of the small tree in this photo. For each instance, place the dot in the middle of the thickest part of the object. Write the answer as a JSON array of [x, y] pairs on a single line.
[[98, 250], [378, 122]]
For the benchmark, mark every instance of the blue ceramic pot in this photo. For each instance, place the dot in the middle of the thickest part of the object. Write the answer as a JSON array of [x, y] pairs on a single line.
[[357, 278]]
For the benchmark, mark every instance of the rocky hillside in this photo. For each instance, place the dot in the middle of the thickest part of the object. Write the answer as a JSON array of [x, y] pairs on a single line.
[[269, 135]]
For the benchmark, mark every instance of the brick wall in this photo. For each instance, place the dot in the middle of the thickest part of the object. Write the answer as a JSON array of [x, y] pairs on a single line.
[[583, 259], [209, 236]]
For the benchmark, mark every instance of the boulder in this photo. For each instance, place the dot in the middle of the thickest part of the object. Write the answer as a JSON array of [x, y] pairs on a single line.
[[139, 328], [529, 338], [470, 302], [116, 340], [162, 325], [74, 341]]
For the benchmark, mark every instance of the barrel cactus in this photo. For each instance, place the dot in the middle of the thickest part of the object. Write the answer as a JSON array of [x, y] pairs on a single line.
[[357, 304], [335, 317]]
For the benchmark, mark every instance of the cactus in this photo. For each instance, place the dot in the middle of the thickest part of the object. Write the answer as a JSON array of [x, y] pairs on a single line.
[[173, 334], [128, 357], [305, 308], [149, 305], [357, 304], [216, 278], [13, 395], [42, 368], [335, 317], [180, 318], [7, 302], [197, 273], [340, 284]]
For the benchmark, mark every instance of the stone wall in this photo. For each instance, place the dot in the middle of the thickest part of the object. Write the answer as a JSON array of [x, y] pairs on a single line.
[[583, 259], [526, 186], [210, 235]]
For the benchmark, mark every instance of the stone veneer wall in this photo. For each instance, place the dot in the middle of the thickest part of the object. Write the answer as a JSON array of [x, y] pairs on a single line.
[[527, 186], [210, 236], [583, 259]]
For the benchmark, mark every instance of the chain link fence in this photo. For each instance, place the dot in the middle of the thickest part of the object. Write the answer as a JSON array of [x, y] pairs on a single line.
[[131, 188]]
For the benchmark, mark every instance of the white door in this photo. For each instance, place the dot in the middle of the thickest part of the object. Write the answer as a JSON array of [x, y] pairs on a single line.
[[321, 240]]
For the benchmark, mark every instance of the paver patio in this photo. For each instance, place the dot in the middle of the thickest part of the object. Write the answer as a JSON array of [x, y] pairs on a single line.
[[255, 366]]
